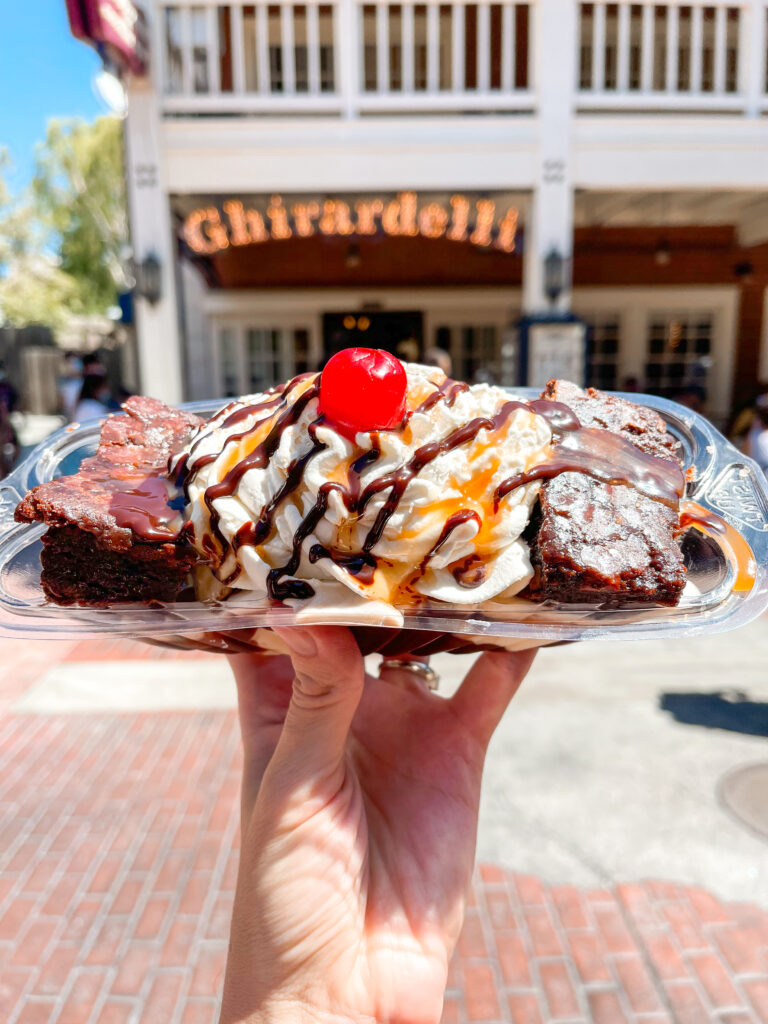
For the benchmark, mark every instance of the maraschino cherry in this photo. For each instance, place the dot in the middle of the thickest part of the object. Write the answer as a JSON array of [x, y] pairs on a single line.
[[363, 389]]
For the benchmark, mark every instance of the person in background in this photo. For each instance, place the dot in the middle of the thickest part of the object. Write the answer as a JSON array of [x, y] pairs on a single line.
[[70, 383], [93, 366], [9, 442], [757, 439], [440, 358], [94, 398]]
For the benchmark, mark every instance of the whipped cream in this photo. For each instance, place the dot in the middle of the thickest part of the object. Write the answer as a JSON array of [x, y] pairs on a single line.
[[272, 486]]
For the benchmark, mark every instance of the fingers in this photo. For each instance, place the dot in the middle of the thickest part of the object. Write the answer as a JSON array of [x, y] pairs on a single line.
[[488, 688], [327, 687]]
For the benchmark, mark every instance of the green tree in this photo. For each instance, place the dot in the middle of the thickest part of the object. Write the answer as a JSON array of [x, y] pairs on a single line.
[[33, 287], [79, 195]]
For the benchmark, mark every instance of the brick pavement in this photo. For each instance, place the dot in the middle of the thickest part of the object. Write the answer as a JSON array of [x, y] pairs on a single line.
[[118, 857]]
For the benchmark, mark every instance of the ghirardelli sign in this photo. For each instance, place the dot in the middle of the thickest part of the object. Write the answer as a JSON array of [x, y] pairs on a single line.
[[117, 26]]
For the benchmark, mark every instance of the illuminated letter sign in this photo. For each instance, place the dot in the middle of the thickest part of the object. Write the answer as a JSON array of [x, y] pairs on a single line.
[[478, 222]]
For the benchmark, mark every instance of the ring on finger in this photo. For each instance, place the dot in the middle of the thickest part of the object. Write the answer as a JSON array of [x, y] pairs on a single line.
[[415, 665]]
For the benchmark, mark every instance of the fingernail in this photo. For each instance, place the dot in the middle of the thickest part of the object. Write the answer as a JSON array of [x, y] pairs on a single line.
[[300, 641]]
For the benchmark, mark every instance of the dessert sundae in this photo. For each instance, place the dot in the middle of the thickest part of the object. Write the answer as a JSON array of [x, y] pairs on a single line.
[[372, 488]]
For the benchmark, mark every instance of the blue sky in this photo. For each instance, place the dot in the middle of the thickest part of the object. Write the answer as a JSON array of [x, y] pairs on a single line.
[[44, 73]]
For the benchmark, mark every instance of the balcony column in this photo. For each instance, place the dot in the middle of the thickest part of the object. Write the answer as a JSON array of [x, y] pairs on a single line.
[[157, 325], [549, 224]]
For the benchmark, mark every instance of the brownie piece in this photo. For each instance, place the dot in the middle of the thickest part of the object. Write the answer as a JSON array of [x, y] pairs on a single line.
[[114, 525], [607, 543]]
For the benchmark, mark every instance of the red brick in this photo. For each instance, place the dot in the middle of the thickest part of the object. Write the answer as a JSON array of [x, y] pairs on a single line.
[[614, 931], [62, 894], [513, 960], [708, 909], [179, 942], [13, 981], [65, 837], [195, 893], [524, 1008], [127, 897], [663, 890], [80, 921], [471, 940], [152, 919], [229, 878], [84, 854], [558, 989], [55, 971], [589, 957], [637, 983], [757, 992], [544, 938], [113, 1012], [16, 916], [198, 1012], [637, 904], [451, 1011], [600, 896], [605, 1008], [492, 874], [22, 858], [530, 891], [480, 993], [207, 854], [221, 917], [686, 1004], [454, 979], [163, 996], [208, 976], [186, 835], [570, 906], [171, 870], [499, 908], [106, 873], [38, 1011], [133, 970], [666, 960], [41, 875], [32, 944], [146, 855], [740, 947], [107, 942], [714, 980], [685, 926], [82, 997]]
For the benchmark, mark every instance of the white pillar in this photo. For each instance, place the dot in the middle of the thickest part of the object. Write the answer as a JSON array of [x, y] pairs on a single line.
[[157, 326], [550, 217]]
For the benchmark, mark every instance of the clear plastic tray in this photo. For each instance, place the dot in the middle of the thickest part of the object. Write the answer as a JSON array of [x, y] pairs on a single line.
[[722, 480]]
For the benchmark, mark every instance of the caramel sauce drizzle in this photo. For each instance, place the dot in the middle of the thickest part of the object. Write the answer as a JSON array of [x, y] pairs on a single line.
[[607, 457], [741, 554]]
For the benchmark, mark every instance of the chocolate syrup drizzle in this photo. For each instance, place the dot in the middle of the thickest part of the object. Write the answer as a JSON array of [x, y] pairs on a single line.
[[600, 454]]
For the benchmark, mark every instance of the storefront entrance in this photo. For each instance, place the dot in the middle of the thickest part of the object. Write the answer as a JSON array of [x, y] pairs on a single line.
[[399, 333]]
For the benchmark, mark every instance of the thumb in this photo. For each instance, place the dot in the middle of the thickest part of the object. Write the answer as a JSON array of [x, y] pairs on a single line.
[[328, 684]]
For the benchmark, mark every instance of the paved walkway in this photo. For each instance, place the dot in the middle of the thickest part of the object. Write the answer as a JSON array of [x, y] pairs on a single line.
[[118, 857]]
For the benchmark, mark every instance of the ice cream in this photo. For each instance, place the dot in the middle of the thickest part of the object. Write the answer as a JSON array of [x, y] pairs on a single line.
[[288, 504]]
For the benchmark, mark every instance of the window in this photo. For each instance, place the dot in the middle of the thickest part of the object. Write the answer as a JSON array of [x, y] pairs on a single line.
[[603, 355], [678, 352], [252, 357], [199, 36], [174, 75], [475, 351]]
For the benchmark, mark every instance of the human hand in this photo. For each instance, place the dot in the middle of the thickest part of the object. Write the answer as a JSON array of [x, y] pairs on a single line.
[[359, 820]]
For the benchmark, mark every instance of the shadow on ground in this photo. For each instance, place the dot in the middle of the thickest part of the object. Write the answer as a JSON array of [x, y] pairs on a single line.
[[722, 709]]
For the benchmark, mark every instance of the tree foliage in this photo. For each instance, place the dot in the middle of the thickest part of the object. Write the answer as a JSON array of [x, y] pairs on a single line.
[[62, 241]]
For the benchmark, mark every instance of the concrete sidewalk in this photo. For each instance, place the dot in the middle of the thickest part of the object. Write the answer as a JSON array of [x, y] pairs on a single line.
[[614, 887]]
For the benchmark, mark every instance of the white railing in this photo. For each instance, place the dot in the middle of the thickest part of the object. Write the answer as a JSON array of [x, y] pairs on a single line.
[[344, 56], [673, 56], [351, 57]]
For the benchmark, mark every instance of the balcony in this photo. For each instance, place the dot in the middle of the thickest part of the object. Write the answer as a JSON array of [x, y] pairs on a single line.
[[351, 58]]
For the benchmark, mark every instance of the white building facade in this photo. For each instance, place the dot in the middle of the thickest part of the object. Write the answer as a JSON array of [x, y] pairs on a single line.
[[315, 172]]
